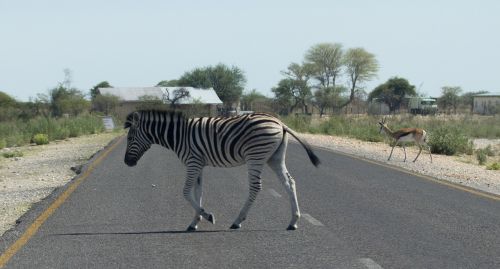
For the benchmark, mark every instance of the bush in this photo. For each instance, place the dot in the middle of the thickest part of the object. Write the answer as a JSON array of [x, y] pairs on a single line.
[[481, 156], [493, 166], [449, 140], [12, 154], [3, 143], [41, 139]]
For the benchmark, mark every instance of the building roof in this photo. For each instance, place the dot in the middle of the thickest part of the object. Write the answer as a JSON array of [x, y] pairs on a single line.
[[490, 94], [128, 94]]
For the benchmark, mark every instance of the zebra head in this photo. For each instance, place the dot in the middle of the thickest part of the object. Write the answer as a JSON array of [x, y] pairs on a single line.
[[137, 141]]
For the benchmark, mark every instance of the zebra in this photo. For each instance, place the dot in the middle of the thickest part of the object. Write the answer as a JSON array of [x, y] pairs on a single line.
[[251, 139]]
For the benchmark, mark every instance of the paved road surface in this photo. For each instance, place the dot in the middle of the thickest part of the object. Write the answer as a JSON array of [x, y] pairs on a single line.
[[356, 214]]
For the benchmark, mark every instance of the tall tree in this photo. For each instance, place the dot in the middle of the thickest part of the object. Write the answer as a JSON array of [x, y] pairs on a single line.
[[326, 61], [393, 92], [450, 98], [299, 76], [361, 66]]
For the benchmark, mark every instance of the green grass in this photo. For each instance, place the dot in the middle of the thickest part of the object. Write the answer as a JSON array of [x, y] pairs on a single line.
[[12, 154], [18, 133], [493, 166], [447, 135]]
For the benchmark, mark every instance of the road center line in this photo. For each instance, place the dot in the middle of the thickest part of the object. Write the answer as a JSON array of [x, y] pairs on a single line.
[[369, 263], [274, 193], [312, 220]]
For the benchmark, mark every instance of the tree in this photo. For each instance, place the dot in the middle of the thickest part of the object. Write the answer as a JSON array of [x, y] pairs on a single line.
[[393, 92], [299, 76], [95, 90], [67, 101], [360, 66], [105, 103], [227, 82], [467, 99], [8, 107], [168, 83], [328, 97], [326, 62], [283, 96], [450, 98], [249, 99], [176, 96]]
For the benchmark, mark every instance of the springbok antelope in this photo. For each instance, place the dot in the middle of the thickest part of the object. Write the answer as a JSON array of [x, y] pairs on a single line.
[[417, 135]]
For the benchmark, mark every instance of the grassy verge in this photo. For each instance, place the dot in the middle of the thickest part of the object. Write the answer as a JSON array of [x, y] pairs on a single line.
[[18, 133], [448, 135]]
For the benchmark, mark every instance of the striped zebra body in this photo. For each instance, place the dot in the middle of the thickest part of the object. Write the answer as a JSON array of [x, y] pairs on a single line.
[[253, 139]]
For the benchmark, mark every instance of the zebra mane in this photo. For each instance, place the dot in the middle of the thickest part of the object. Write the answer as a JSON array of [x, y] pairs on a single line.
[[161, 113]]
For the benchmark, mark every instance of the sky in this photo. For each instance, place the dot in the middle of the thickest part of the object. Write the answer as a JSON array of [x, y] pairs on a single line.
[[432, 43]]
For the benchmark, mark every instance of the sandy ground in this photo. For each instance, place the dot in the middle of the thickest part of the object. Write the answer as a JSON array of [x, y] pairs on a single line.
[[28, 179]]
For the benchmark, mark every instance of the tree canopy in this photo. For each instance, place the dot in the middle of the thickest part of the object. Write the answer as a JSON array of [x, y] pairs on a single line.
[[227, 82], [392, 92]]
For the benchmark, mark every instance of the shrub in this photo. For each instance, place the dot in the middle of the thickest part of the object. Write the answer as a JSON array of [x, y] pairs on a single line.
[[493, 166], [449, 140], [299, 123], [3, 143], [12, 154], [41, 139], [481, 156]]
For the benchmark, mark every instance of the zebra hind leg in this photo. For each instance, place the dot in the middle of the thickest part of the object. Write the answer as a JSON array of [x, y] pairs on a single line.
[[255, 182], [277, 164]]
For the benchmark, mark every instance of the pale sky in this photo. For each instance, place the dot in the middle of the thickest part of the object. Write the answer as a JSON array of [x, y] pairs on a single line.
[[431, 43]]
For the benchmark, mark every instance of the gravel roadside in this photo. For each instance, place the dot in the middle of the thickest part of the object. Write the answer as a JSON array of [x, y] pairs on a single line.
[[457, 169], [28, 179]]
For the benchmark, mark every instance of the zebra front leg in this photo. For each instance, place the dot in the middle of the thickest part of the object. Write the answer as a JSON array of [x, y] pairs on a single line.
[[198, 191], [255, 185], [193, 174]]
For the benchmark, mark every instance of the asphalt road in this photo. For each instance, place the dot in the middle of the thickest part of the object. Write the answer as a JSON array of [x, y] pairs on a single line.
[[356, 214]]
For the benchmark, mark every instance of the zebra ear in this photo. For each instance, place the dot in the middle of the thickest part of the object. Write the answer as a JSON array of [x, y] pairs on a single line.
[[132, 120]]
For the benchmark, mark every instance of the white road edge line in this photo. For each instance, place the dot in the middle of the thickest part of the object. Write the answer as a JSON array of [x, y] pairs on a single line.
[[312, 220], [370, 264], [274, 193]]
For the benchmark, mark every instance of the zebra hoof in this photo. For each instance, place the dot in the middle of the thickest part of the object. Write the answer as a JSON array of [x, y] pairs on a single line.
[[292, 227], [191, 228], [235, 226], [211, 218]]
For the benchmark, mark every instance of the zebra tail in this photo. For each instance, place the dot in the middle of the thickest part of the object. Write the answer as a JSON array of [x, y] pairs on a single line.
[[314, 159]]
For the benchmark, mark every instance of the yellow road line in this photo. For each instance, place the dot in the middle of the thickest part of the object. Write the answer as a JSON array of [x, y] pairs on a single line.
[[33, 228], [429, 178]]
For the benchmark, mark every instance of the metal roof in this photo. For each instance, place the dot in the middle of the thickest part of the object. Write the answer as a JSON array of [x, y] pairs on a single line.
[[206, 96], [490, 94]]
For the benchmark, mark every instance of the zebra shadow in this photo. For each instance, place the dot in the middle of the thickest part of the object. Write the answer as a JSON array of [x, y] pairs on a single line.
[[162, 232]]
